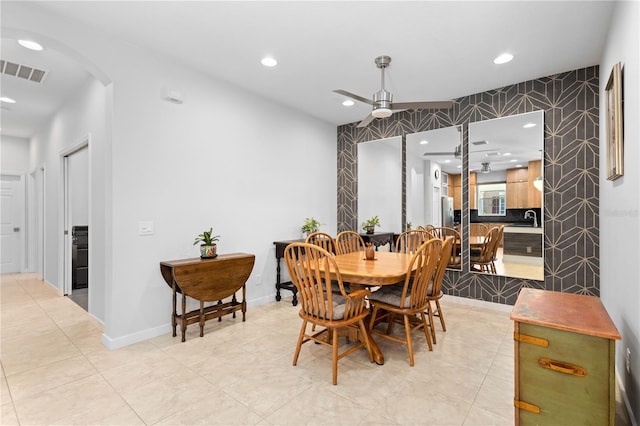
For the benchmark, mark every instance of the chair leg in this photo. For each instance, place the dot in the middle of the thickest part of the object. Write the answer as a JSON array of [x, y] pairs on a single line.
[[299, 344], [372, 322], [431, 325], [335, 357], [407, 330], [427, 333], [444, 327]]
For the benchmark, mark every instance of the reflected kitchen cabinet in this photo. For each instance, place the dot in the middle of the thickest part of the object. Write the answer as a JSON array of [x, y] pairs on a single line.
[[518, 188], [535, 195], [455, 183]]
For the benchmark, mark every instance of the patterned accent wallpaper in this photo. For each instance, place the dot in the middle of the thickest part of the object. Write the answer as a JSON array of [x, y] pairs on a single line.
[[571, 173]]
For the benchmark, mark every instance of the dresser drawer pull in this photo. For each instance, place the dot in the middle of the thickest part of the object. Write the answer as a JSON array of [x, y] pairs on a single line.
[[526, 406], [530, 339], [562, 367]]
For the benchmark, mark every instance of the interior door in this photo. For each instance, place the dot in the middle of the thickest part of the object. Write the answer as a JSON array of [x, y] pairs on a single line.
[[11, 220]]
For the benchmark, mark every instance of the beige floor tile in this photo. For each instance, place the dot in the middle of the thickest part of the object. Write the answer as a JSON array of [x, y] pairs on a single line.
[[156, 399], [8, 415], [84, 400], [104, 359], [214, 408], [26, 352], [317, 405], [480, 417], [496, 396], [36, 380]]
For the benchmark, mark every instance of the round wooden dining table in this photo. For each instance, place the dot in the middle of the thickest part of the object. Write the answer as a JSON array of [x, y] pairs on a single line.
[[385, 269]]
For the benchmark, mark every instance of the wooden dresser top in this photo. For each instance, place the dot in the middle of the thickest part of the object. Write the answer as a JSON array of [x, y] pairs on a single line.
[[564, 311]]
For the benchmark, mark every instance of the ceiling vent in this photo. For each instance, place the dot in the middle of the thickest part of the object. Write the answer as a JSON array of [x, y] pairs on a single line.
[[479, 143], [22, 71]]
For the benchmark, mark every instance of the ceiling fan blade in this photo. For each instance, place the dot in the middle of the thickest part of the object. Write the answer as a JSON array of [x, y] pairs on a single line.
[[439, 153], [354, 96], [422, 105], [366, 121]]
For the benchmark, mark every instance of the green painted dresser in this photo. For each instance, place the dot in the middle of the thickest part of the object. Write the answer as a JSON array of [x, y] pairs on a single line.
[[564, 359]]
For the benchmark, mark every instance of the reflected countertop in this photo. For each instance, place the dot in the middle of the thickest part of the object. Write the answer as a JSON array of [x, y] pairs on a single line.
[[522, 230]]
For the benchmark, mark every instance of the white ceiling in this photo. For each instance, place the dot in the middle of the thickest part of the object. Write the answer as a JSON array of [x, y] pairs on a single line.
[[439, 50]]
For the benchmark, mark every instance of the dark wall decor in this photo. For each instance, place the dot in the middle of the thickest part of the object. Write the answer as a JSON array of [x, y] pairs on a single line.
[[571, 172]]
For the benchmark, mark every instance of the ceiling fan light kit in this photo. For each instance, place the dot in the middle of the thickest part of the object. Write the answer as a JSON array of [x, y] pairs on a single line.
[[382, 102]]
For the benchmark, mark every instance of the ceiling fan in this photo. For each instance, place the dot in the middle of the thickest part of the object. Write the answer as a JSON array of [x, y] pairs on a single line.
[[383, 105], [457, 153]]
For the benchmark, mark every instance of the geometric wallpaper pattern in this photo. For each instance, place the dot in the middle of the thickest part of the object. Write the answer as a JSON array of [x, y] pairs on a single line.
[[571, 171]]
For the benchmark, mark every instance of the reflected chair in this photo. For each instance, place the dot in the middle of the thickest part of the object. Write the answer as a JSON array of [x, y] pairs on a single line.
[[478, 229], [348, 242], [310, 269], [322, 239], [434, 294], [494, 256], [484, 261], [408, 301], [410, 240], [455, 260]]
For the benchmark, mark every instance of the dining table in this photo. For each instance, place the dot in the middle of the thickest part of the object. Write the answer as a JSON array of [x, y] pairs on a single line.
[[386, 268]]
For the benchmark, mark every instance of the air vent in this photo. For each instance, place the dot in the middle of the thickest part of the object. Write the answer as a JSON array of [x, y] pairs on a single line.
[[479, 143], [22, 71]]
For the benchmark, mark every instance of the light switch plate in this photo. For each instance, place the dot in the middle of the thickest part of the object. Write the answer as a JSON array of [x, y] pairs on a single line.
[[145, 227]]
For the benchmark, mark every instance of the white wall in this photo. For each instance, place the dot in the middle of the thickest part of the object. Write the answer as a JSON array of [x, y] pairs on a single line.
[[224, 158], [14, 154], [82, 116], [619, 201]]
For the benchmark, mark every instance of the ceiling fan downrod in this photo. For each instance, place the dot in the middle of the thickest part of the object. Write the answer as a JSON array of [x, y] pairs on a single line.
[[382, 99]]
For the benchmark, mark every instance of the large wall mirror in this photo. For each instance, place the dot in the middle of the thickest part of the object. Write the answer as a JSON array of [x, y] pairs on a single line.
[[434, 179], [380, 183], [506, 189]]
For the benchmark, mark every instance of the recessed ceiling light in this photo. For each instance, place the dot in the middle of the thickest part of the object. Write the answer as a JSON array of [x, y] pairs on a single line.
[[518, 165], [424, 142], [30, 44], [447, 161], [513, 161], [529, 125], [348, 103], [459, 167], [507, 153], [7, 100], [503, 59], [269, 62]]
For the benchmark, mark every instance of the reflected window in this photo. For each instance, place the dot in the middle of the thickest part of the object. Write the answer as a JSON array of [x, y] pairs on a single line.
[[492, 199]]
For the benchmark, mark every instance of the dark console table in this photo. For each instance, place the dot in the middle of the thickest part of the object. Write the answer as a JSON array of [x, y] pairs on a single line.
[[280, 246], [379, 239], [207, 280]]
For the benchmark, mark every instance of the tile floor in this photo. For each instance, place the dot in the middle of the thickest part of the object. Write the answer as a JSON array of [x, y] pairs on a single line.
[[55, 370]]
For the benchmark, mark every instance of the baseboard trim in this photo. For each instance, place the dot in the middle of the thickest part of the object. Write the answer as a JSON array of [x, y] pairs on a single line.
[[625, 399], [150, 333], [477, 303], [130, 339]]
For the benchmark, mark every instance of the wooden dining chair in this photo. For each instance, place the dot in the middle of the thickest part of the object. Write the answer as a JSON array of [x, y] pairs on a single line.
[[442, 232], [478, 229], [310, 269], [410, 240], [434, 294], [484, 261], [322, 239], [348, 242], [408, 302]]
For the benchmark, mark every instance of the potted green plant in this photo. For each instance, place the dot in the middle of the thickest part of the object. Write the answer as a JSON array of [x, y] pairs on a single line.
[[208, 247], [310, 225], [370, 224]]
